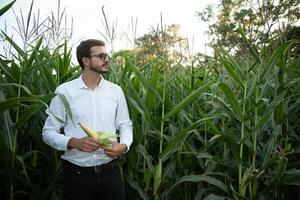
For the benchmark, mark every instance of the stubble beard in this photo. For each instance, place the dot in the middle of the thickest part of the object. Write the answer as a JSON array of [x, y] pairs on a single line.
[[100, 69]]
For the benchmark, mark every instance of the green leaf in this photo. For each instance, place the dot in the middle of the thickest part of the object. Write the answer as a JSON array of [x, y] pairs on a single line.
[[135, 185], [190, 98], [172, 145], [48, 77], [233, 100], [202, 178], [252, 88], [282, 49], [253, 51], [25, 116], [17, 48], [280, 170], [150, 98], [6, 124], [136, 97], [34, 51], [230, 67], [268, 149], [146, 83], [157, 178], [135, 105], [24, 168], [14, 102], [143, 151], [263, 119], [232, 144], [215, 197], [5, 69], [17, 85], [66, 105], [5, 8]]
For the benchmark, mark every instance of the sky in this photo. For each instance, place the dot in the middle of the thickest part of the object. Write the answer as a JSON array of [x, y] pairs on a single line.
[[88, 18]]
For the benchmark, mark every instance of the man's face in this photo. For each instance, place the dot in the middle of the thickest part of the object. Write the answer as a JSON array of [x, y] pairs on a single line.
[[99, 59]]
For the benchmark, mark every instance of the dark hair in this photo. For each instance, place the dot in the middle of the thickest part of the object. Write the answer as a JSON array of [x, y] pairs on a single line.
[[83, 49]]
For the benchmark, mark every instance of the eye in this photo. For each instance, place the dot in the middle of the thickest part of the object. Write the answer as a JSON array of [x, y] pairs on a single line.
[[102, 56]]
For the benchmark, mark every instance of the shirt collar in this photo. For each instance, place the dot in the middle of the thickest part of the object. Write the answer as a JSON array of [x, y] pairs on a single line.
[[81, 84]]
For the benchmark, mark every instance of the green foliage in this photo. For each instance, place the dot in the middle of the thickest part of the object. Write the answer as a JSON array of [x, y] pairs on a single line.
[[263, 21], [232, 133], [162, 41], [33, 170], [233, 125], [7, 7], [223, 128]]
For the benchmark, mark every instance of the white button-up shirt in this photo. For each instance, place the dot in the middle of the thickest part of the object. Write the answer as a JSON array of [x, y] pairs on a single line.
[[102, 109]]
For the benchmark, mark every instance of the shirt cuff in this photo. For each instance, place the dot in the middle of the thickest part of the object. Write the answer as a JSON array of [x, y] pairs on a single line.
[[65, 142]]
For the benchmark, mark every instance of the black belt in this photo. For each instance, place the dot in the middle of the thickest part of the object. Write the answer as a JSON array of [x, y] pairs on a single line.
[[93, 169]]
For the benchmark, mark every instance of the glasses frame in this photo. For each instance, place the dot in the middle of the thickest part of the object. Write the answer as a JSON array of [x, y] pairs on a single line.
[[101, 56]]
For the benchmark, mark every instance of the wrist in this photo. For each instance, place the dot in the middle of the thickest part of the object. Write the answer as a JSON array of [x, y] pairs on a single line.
[[71, 143], [124, 148]]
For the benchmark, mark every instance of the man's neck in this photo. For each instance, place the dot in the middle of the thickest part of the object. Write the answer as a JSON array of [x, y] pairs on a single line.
[[91, 79]]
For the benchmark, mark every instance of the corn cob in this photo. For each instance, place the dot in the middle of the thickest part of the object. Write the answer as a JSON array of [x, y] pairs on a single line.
[[103, 137], [90, 132]]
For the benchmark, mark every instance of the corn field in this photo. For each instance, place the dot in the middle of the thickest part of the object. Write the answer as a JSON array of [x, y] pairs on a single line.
[[227, 127]]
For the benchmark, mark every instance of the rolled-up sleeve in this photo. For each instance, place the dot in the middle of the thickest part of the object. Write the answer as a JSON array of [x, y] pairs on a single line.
[[54, 123], [123, 122]]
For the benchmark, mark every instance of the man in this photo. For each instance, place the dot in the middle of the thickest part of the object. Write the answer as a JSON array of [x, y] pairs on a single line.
[[91, 170]]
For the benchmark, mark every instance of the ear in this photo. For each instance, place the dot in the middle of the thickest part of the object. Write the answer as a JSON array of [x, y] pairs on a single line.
[[85, 61]]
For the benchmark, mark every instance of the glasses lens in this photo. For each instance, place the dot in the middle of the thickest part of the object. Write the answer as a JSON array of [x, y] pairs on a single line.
[[102, 56]]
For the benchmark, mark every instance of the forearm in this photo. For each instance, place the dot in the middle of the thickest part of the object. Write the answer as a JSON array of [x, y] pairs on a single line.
[[55, 140], [126, 139]]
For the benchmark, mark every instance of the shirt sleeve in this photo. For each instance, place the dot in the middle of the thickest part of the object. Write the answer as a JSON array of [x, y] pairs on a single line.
[[54, 123], [123, 122]]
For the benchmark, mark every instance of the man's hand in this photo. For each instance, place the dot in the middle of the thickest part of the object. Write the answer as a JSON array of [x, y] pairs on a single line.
[[84, 144], [115, 149]]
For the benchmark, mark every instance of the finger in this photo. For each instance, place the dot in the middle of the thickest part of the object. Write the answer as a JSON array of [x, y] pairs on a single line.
[[107, 148], [92, 143], [110, 153], [110, 156], [90, 146], [114, 142], [93, 140], [87, 149], [96, 141]]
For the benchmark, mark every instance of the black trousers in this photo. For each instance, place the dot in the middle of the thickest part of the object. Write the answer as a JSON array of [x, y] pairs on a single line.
[[93, 183]]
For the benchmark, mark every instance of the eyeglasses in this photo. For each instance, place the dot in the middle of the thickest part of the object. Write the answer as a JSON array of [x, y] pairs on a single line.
[[102, 56]]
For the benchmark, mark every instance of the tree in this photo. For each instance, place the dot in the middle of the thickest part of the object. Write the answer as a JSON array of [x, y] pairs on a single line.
[[262, 20], [164, 42]]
